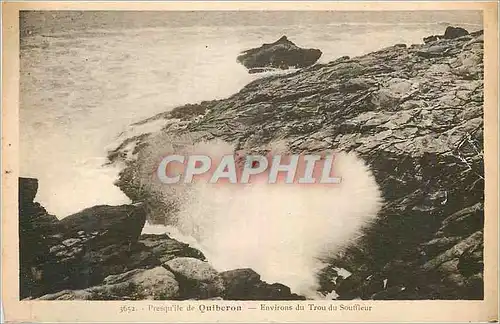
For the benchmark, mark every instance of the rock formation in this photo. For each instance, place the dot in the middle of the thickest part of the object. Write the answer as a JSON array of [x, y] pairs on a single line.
[[35, 228], [454, 32], [281, 54], [100, 254], [450, 33], [414, 113]]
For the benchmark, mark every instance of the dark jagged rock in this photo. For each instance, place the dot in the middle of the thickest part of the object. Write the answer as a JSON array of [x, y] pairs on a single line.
[[454, 32], [450, 33], [198, 280], [123, 223], [281, 54], [138, 284], [415, 114], [245, 284], [432, 38], [240, 283], [28, 187], [275, 291], [165, 249], [35, 228], [31, 214], [260, 70], [76, 252], [99, 254], [93, 244]]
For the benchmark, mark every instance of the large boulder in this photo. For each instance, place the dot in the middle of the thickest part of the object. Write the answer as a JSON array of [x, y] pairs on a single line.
[[245, 284], [156, 283], [197, 278], [282, 54], [78, 251], [110, 223], [92, 244], [139, 284]]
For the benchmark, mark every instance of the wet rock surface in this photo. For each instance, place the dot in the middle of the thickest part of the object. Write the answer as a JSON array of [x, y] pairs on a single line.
[[35, 228], [100, 254], [415, 114], [139, 284], [80, 250], [242, 284], [282, 54]]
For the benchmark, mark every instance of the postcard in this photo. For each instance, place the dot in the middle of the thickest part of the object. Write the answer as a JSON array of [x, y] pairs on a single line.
[[250, 162]]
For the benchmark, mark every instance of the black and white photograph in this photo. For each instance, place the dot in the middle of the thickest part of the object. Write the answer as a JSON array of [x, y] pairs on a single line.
[[251, 155]]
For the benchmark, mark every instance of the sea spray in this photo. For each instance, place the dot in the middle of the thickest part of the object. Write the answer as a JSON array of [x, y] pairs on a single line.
[[280, 230]]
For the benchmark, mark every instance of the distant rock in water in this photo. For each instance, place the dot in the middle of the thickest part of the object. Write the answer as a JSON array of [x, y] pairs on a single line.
[[281, 54], [455, 32], [450, 33], [432, 38]]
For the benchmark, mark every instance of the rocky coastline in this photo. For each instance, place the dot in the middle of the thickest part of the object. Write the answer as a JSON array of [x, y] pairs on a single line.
[[100, 254], [414, 113]]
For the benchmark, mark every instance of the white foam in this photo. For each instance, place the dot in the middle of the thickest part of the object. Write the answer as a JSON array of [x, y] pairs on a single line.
[[281, 231]]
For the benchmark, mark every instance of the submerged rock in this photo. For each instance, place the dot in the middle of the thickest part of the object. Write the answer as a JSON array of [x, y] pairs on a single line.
[[282, 54]]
